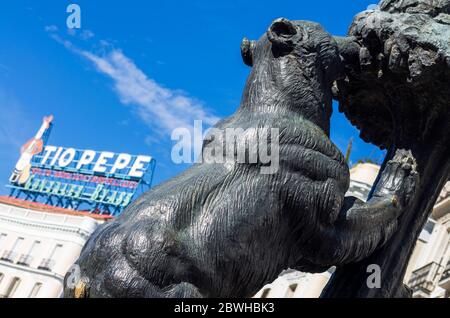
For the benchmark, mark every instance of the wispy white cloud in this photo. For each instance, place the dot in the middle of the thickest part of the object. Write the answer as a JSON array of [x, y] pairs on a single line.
[[87, 34], [155, 104], [160, 108], [51, 28], [71, 32], [80, 34]]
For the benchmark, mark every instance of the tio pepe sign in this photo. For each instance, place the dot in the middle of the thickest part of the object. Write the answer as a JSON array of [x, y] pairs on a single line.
[[107, 163], [79, 179]]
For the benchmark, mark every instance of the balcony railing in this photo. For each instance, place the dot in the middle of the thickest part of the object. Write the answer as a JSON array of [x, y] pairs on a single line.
[[24, 260], [8, 256], [445, 278], [47, 264], [424, 278], [446, 273]]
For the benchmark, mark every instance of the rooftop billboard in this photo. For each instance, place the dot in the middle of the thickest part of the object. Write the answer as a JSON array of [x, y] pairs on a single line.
[[100, 182]]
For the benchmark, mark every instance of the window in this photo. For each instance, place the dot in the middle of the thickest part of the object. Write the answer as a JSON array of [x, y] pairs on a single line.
[[32, 251], [2, 238], [35, 290], [291, 290], [425, 234], [265, 293], [55, 252], [33, 247], [26, 259], [429, 226], [10, 255], [12, 287], [47, 264], [17, 244]]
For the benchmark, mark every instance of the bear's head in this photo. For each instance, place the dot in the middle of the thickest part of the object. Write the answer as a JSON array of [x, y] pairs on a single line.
[[296, 62]]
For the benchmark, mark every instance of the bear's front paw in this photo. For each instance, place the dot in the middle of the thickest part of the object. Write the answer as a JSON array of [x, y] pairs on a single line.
[[399, 179]]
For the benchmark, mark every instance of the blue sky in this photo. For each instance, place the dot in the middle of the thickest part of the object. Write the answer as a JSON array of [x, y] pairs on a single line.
[[137, 69]]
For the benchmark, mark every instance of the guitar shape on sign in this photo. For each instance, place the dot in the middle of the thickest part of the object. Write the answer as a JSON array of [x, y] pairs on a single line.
[[33, 147]]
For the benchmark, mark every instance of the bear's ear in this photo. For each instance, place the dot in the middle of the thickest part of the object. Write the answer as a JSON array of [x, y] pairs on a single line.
[[247, 48], [283, 34]]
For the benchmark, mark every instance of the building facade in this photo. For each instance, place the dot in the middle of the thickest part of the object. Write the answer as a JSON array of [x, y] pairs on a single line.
[[428, 272], [38, 245]]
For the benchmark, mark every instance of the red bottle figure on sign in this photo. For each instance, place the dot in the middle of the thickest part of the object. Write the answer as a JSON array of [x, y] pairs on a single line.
[[33, 147]]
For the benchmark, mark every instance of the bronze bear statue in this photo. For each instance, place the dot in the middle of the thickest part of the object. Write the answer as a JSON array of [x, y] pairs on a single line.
[[226, 229]]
